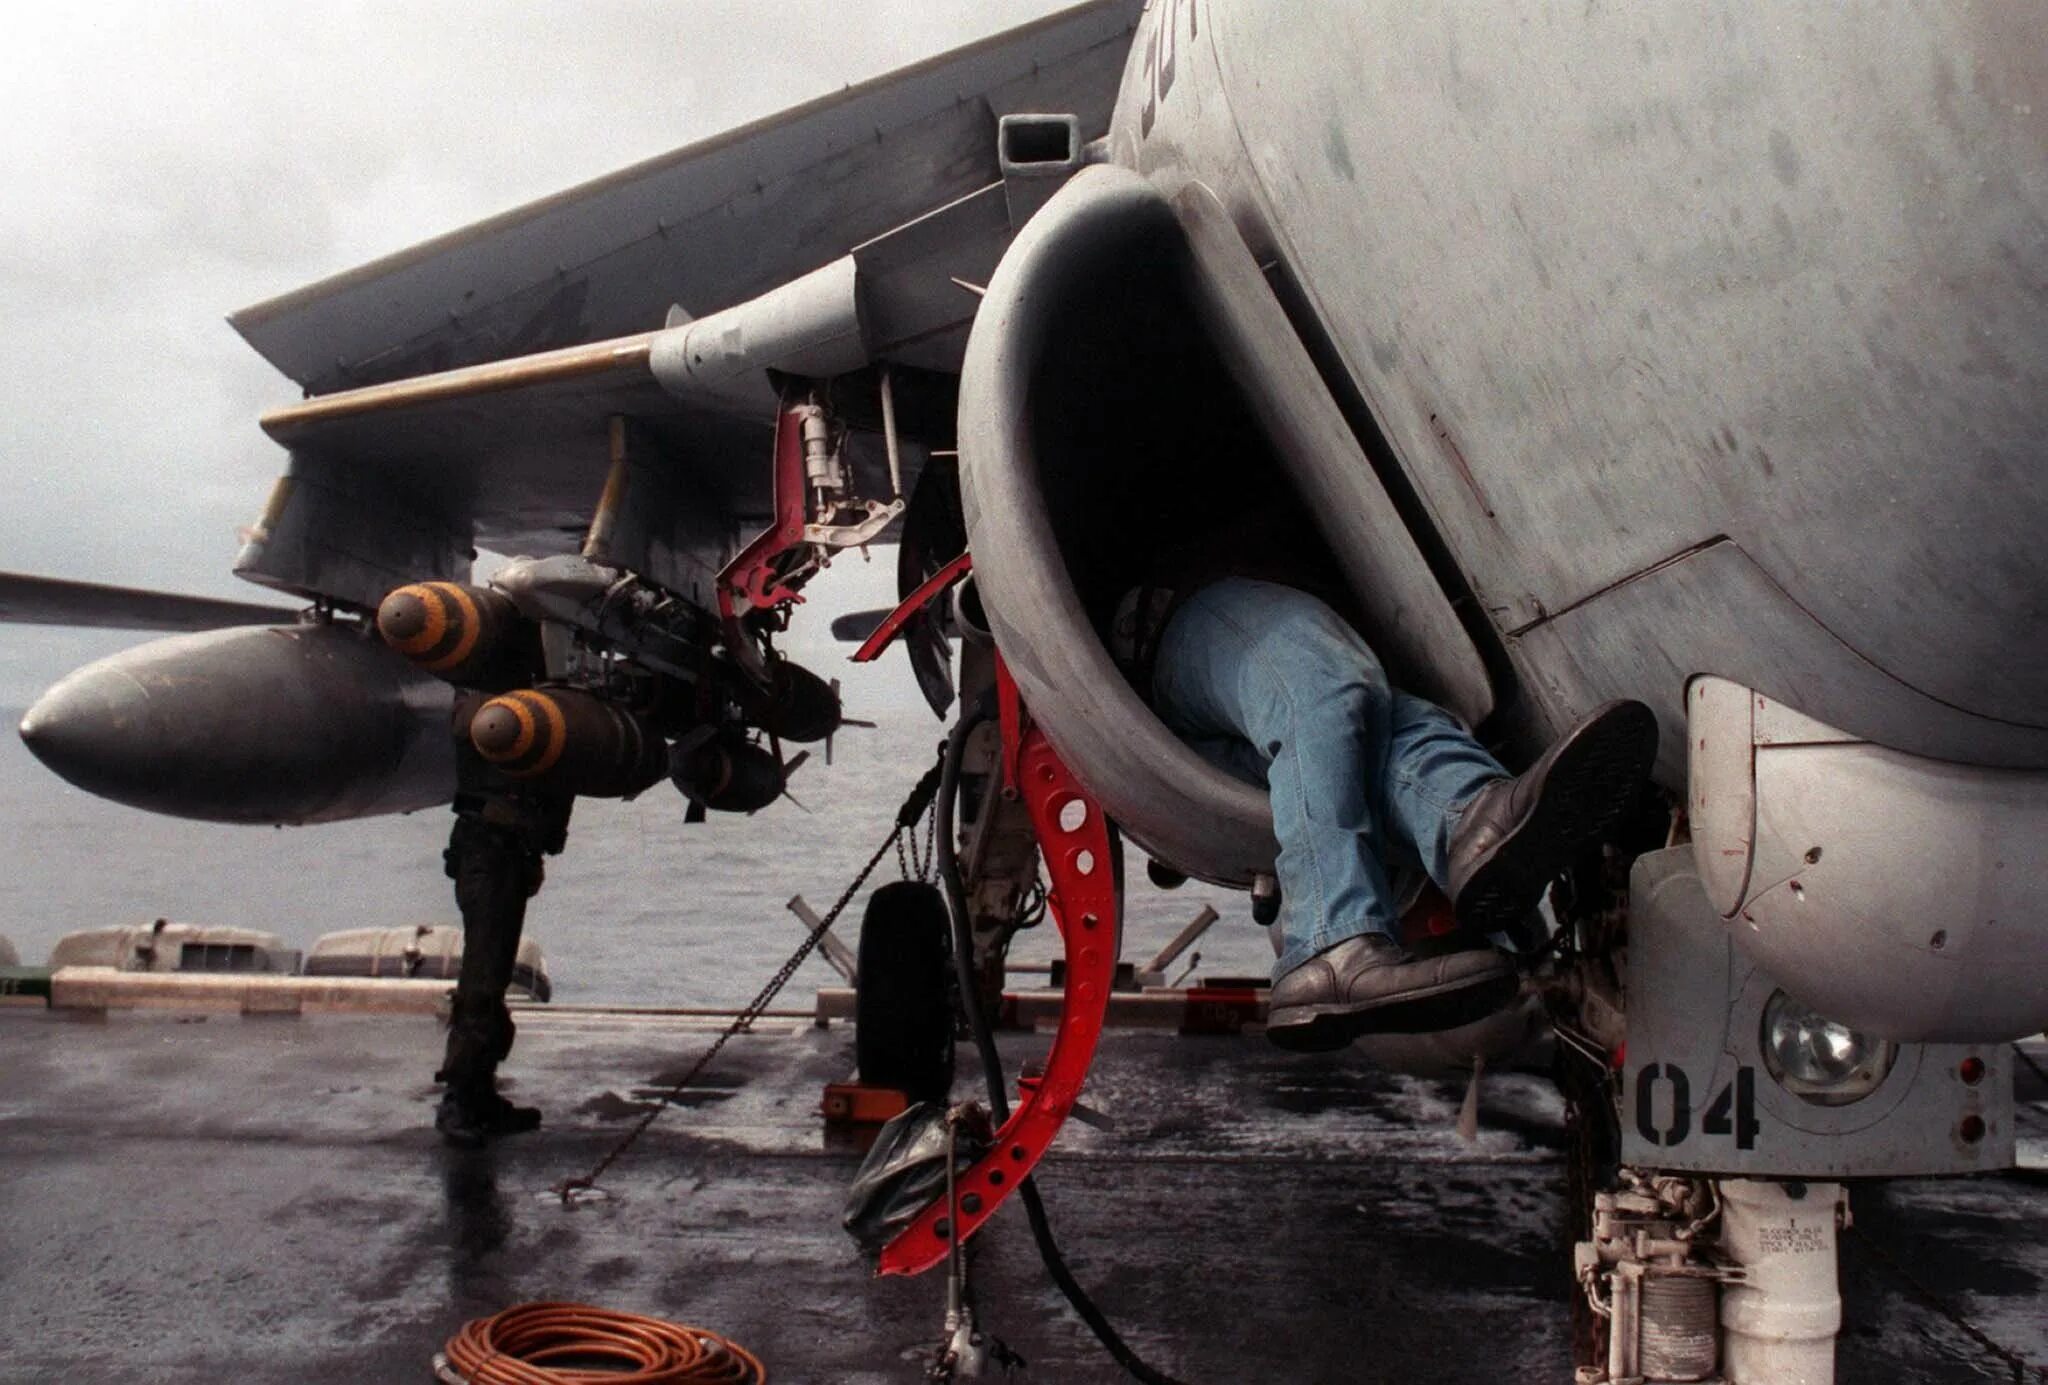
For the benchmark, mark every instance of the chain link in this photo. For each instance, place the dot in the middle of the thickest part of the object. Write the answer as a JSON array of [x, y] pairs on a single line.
[[919, 860], [905, 819]]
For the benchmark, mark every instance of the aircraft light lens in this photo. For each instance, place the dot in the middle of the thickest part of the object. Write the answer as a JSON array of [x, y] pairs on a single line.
[[1818, 1060]]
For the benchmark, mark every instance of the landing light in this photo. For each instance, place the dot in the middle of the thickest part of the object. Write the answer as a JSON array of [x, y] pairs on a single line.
[[1818, 1060]]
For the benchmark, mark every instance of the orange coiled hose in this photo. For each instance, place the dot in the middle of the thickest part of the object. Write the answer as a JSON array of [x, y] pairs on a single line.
[[595, 1346]]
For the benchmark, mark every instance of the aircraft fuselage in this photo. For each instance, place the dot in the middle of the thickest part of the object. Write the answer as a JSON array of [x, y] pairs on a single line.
[[1690, 356], [1710, 339]]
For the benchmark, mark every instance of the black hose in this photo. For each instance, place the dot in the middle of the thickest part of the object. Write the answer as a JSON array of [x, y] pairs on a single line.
[[992, 1063], [1056, 1266], [956, 905]]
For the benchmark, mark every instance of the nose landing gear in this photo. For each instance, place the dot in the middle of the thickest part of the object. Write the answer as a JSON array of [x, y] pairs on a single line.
[[1074, 836], [903, 1018]]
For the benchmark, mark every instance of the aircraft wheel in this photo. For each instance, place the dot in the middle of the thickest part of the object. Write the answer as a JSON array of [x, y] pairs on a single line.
[[903, 1013]]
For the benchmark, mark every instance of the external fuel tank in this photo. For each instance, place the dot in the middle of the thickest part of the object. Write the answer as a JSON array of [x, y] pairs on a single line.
[[311, 723]]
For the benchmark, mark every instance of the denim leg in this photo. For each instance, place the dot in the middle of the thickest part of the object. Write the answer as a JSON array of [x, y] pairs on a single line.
[[1433, 768], [1233, 755], [1276, 671]]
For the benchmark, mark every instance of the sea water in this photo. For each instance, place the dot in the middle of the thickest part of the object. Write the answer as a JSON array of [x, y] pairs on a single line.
[[640, 909]]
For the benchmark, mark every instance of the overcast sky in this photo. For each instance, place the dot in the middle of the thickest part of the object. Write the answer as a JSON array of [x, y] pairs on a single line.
[[163, 164]]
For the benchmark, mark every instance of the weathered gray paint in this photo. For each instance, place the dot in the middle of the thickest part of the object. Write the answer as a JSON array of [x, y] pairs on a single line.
[[670, 526], [351, 533], [917, 312], [1710, 340], [1412, 622], [1715, 610], [1145, 777], [1896, 894], [810, 326], [1707, 340], [519, 469], [1619, 281], [1177, 806], [28, 600], [1696, 1002]]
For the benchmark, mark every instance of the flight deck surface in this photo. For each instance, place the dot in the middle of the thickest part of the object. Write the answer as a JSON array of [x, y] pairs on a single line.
[[262, 1199]]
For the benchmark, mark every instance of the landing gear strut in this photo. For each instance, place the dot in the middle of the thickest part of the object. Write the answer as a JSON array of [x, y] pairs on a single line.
[[1074, 836], [1714, 1279]]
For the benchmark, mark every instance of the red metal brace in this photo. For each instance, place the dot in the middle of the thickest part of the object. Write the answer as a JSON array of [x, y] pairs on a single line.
[[927, 590], [751, 572], [1083, 903]]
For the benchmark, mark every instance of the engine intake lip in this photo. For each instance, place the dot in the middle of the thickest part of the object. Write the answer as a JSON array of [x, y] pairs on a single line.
[[1166, 797]]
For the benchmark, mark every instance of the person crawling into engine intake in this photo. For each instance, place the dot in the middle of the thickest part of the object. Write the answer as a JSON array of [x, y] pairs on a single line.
[[1247, 659]]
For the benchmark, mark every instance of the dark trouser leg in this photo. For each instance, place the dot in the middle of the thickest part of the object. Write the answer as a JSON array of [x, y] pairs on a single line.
[[495, 873]]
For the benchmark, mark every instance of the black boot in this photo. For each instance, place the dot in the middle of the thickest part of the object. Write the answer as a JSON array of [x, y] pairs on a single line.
[[471, 1110], [469, 1116], [1517, 835], [1372, 985], [496, 868]]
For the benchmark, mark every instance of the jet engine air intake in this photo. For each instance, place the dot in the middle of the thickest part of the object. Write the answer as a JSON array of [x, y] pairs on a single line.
[[1131, 385], [1093, 416]]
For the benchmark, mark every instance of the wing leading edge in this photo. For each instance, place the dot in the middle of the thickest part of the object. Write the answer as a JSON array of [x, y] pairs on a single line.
[[707, 226], [401, 477]]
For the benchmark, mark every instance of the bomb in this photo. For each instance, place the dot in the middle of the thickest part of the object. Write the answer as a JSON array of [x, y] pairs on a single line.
[[797, 705], [726, 773], [471, 636], [569, 740]]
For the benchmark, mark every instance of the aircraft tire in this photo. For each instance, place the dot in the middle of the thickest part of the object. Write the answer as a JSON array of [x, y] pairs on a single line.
[[903, 1013]]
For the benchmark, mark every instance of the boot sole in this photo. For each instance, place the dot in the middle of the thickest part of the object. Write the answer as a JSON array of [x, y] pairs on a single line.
[[474, 1131], [1322, 1028], [1585, 791]]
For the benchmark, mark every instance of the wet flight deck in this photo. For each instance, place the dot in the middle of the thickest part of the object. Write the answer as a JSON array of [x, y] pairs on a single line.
[[188, 1199]]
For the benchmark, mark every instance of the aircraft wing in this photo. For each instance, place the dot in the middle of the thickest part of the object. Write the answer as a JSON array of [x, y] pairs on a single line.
[[465, 392], [30, 600], [704, 227]]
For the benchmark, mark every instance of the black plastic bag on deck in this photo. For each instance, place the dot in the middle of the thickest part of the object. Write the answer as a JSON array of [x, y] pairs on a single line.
[[905, 1172]]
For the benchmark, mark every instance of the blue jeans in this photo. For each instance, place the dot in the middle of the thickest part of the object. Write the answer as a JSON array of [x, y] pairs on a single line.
[[1273, 687]]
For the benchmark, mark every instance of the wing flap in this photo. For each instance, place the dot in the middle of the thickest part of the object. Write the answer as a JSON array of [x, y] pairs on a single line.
[[514, 452]]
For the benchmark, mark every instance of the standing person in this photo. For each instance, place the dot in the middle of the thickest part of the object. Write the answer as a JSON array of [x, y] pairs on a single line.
[[502, 831], [1265, 679]]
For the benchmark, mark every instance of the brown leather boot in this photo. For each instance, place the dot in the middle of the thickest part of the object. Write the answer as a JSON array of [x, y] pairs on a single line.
[[1517, 835], [1372, 985]]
